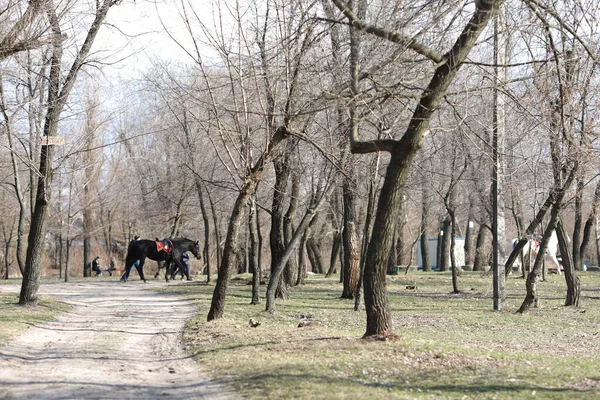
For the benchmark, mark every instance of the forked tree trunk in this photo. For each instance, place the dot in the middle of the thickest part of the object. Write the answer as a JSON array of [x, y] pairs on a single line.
[[531, 298], [291, 247], [217, 306]]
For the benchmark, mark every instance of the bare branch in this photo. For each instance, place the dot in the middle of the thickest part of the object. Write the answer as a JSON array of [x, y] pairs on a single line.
[[392, 36]]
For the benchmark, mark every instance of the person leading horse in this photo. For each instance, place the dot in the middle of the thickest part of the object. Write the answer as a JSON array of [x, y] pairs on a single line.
[[139, 250]]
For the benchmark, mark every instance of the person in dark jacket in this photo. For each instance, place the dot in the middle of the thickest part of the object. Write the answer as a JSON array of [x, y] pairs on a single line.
[[184, 263], [96, 266]]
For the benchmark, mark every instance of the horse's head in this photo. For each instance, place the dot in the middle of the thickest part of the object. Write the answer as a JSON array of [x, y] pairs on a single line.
[[196, 250]]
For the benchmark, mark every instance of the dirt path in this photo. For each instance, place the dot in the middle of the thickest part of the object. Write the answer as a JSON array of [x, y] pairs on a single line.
[[119, 341]]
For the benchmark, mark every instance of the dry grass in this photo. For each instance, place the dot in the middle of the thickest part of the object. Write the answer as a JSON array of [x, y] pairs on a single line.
[[14, 319], [449, 346]]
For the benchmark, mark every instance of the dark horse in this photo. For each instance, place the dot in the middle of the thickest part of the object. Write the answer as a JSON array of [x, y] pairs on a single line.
[[139, 250]]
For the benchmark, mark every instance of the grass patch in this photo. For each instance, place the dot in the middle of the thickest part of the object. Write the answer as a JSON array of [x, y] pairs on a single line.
[[450, 345], [15, 319]]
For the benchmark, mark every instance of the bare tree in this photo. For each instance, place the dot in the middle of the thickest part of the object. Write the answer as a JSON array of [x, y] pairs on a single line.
[[403, 151], [58, 93]]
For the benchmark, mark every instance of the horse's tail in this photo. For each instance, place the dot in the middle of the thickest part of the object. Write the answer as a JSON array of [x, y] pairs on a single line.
[[130, 257]]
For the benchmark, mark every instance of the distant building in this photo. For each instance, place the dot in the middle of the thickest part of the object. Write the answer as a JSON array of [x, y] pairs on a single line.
[[459, 252]]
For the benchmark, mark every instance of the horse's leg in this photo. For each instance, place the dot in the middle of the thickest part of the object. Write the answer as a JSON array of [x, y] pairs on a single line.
[[160, 265], [167, 266], [128, 266], [140, 269]]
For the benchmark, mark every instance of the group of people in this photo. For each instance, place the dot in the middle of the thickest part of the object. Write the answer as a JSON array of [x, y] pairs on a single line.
[[98, 270]]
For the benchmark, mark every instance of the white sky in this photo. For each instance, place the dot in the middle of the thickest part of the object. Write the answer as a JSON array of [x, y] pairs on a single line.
[[138, 34]]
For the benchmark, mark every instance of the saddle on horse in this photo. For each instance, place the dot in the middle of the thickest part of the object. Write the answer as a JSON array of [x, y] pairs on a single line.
[[164, 245]]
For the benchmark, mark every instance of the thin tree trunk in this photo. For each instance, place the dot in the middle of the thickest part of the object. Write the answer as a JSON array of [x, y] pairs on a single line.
[[577, 226], [253, 251], [446, 244], [479, 260], [572, 281], [531, 298], [453, 263], [206, 221], [350, 243], [301, 259], [336, 246], [288, 229], [424, 225]]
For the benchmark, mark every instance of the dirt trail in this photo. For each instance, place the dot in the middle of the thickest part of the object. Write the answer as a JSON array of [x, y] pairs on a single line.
[[119, 341]]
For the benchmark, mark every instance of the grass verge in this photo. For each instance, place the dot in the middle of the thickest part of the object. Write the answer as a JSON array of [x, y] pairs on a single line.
[[450, 346], [15, 319]]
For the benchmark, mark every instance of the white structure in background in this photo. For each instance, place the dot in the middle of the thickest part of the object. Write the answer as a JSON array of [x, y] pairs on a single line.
[[459, 252]]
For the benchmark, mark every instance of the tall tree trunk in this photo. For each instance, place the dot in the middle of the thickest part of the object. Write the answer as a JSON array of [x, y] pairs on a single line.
[[16, 183], [288, 229], [253, 251], [276, 236], [480, 260], [446, 243], [206, 221], [301, 258], [424, 225], [350, 242], [455, 267], [403, 246], [365, 244], [577, 228], [336, 247], [469, 254]]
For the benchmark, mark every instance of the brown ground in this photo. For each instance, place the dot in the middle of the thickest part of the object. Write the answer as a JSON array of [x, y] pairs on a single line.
[[118, 341]]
